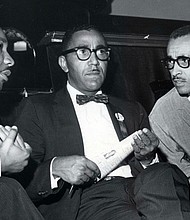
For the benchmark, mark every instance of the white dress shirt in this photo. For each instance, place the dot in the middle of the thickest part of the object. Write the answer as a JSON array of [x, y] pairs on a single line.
[[97, 130]]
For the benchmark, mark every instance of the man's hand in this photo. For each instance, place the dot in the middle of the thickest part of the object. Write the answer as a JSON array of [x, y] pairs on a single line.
[[14, 152], [75, 170], [144, 145]]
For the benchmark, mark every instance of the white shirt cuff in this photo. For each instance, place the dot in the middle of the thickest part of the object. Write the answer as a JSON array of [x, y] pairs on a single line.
[[54, 180], [155, 160]]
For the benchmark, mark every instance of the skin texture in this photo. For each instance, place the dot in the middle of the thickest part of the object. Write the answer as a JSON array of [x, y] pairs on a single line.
[[14, 152], [6, 60], [180, 76], [85, 76], [88, 77]]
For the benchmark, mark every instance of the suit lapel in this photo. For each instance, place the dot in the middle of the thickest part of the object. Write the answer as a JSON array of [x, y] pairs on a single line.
[[67, 118], [117, 125]]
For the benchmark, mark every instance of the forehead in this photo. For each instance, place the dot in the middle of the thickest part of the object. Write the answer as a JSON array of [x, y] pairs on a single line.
[[179, 46], [88, 38]]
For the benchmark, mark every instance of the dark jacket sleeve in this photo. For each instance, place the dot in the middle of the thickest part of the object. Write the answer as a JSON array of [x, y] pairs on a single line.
[[36, 176]]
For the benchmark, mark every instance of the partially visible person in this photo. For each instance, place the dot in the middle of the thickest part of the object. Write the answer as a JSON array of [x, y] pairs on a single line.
[[69, 128], [14, 154], [170, 117]]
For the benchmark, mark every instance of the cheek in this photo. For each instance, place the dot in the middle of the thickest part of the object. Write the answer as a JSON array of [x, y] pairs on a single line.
[[1, 59], [188, 74], [104, 68]]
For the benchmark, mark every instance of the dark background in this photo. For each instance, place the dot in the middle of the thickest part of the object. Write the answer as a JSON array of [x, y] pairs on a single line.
[[35, 17], [135, 71]]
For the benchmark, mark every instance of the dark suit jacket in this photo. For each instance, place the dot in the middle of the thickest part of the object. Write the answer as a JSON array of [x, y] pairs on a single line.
[[49, 124]]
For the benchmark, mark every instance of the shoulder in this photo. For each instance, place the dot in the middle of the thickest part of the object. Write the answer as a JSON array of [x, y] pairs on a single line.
[[45, 99], [129, 104], [165, 101], [130, 107]]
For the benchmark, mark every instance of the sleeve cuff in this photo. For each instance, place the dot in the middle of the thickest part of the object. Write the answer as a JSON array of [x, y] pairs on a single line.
[[155, 160], [54, 180]]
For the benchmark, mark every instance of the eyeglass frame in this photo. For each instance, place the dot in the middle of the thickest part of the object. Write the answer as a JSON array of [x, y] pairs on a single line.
[[75, 49], [164, 60]]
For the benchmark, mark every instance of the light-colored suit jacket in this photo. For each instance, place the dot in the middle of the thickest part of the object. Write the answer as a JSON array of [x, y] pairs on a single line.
[[170, 121]]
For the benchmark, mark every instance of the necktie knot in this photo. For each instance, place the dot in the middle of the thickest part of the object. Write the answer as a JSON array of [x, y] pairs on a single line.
[[99, 98]]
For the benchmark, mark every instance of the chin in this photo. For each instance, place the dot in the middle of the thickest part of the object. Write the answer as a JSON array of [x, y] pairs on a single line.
[[94, 86], [183, 91]]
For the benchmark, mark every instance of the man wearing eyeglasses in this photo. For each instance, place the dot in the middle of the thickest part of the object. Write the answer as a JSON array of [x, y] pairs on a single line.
[[170, 117], [70, 128]]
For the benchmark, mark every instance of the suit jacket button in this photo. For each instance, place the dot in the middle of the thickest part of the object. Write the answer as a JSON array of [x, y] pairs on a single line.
[[42, 193]]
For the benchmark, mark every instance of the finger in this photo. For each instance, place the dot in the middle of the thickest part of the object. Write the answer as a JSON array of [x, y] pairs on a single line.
[[144, 137], [20, 141], [138, 141], [93, 167], [135, 147], [91, 174], [3, 133], [10, 139], [150, 135], [79, 182], [8, 128], [27, 147], [85, 178]]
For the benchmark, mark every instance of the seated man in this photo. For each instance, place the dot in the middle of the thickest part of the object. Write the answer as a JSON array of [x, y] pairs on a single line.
[[14, 155], [72, 127], [170, 117]]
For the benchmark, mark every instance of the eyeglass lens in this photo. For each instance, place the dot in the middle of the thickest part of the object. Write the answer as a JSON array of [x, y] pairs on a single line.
[[85, 53], [182, 61]]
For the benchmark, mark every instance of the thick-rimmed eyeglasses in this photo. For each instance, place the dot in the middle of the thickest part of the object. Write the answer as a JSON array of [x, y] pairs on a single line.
[[84, 53], [182, 61]]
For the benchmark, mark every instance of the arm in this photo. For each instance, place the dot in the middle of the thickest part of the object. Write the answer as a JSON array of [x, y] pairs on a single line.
[[40, 125], [36, 177], [75, 170], [171, 148]]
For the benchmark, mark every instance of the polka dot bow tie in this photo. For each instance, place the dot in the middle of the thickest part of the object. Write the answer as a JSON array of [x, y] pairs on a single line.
[[99, 98]]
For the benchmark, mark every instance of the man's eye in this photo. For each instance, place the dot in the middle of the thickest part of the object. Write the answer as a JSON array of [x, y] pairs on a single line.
[[184, 59], [102, 51], [83, 51], [169, 61]]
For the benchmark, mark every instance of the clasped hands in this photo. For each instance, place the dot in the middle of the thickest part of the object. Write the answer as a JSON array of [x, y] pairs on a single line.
[[14, 152], [78, 170]]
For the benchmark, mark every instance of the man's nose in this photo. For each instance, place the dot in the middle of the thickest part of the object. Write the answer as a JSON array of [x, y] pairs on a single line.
[[176, 70], [8, 60], [94, 58]]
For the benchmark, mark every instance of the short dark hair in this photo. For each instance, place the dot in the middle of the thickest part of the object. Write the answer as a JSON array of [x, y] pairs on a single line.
[[69, 33], [180, 32]]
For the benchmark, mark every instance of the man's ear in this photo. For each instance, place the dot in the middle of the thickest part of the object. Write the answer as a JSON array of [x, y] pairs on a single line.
[[63, 63]]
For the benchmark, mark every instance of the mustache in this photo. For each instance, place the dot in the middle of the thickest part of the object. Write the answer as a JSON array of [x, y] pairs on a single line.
[[176, 77]]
